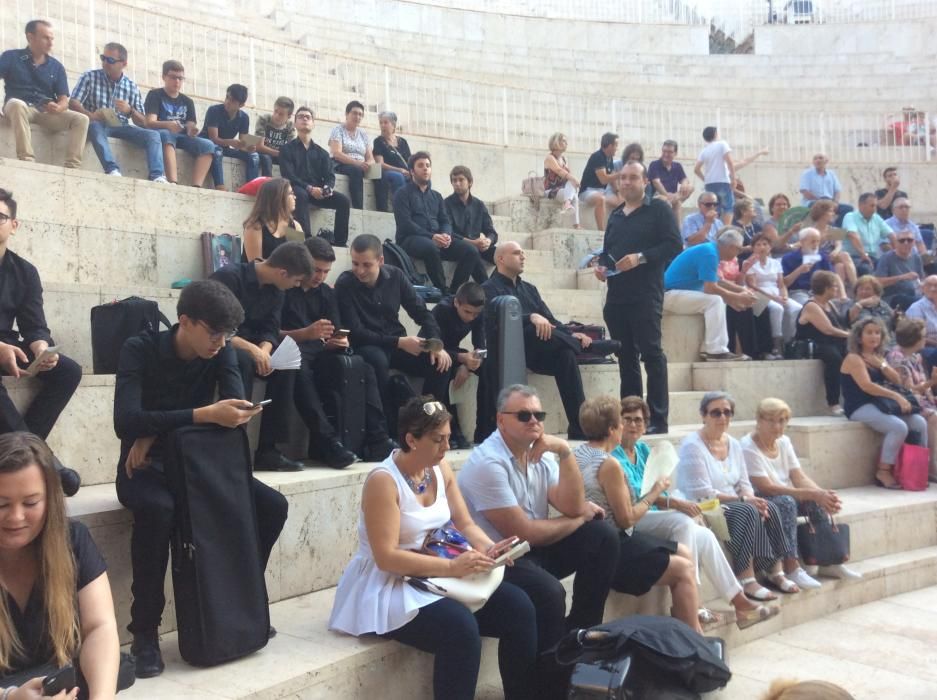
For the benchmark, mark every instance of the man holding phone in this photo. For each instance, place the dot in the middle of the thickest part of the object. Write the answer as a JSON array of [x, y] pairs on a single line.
[[167, 380]]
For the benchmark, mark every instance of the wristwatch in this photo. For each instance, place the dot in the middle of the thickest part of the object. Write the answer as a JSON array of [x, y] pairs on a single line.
[[641, 259]]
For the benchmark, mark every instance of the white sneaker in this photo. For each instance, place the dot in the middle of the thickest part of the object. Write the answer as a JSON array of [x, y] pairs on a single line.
[[161, 179], [839, 571], [114, 173], [803, 579]]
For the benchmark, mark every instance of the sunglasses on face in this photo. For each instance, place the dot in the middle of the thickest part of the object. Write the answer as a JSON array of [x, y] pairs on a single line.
[[109, 60], [720, 412], [906, 240], [708, 205], [525, 416]]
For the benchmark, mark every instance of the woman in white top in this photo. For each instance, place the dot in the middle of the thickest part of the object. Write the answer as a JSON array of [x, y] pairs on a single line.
[[776, 474], [405, 498], [351, 150], [766, 277], [712, 466], [558, 181]]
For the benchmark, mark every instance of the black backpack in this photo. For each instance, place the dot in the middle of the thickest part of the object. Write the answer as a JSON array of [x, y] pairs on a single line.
[[398, 257], [112, 324]]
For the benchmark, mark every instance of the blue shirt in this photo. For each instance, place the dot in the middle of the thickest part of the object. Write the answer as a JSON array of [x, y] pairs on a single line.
[[694, 222], [227, 128], [823, 186], [896, 226], [795, 259], [669, 179], [634, 473], [34, 85], [694, 266], [872, 232], [96, 91]]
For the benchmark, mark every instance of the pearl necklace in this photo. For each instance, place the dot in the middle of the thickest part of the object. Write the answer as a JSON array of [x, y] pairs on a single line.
[[419, 488]]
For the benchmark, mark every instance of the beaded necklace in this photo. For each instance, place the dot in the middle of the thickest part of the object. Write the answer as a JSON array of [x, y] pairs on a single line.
[[420, 488]]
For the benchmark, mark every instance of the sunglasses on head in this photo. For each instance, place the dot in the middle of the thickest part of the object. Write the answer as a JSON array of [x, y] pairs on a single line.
[[720, 412], [525, 416], [431, 408], [109, 60]]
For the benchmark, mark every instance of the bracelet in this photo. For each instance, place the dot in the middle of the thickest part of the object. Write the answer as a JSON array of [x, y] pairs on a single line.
[[646, 502], [741, 499], [560, 456], [668, 502], [8, 692]]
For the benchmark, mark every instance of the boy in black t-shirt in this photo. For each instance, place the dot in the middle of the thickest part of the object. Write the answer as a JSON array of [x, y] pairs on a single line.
[[277, 130], [225, 126], [173, 115], [597, 174]]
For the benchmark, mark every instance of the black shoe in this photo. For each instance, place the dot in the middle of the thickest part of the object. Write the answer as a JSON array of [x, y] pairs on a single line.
[[336, 456], [147, 657], [71, 480], [271, 632], [458, 442], [576, 435], [604, 347], [657, 429], [274, 461], [380, 450]]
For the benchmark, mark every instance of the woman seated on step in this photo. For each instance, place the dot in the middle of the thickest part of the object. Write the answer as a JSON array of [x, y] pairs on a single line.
[[57, 608], [558, 180], [644, 560], [405, 498], [819, 322], [864, 374], [869, 304], [270, 219], [712, 467], [776, 474], [665, 515]]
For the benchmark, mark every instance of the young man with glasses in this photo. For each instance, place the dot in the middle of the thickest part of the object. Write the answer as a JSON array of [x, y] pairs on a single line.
[[704, 225], [36, 92], [173, 116], [109, 88], [168, 380], [510, 482]]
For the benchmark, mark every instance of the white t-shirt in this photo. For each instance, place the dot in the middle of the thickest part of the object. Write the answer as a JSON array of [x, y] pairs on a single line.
[[766, 275], [778, 469], [713, 158]]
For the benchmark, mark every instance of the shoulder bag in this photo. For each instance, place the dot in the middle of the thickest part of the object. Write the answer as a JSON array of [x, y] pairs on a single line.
[[532, 186], [823, 543]]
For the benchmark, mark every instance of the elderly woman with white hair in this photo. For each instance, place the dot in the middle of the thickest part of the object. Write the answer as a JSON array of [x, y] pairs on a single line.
[[712, 466], [392, 153]]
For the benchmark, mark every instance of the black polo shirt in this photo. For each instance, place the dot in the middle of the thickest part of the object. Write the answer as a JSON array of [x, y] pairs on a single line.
[[650, 229], [419, 212], [21, 302], [471, 218], [306, 167], [372, 313], [262, 303], [596, 161], [303, 307], [453, 329], [531, 302]]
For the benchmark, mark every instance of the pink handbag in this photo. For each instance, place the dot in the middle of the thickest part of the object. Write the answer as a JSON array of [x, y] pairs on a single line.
[[912, 467]]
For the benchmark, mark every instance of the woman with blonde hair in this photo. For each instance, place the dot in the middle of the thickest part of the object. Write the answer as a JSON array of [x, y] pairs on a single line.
[[821, 217], [805, 690], [56, 607], [558, 180], [266, 226]]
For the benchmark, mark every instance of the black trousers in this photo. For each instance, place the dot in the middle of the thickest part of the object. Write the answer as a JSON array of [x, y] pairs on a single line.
[[56, 387], [556, 358], [148, 496], [274, 420], [480, 273], [337, 201], [753, 332], [831, 354], [306, 395], [465, 256], [637, 328], [355, 183]]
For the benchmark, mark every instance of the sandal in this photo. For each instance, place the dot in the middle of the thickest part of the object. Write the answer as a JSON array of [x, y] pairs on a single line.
[[708, 617], [745, 619], [762, 594], [893, 486], [783, 583]]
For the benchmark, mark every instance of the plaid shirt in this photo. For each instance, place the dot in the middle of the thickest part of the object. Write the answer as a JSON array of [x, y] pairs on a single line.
[[95, 91]]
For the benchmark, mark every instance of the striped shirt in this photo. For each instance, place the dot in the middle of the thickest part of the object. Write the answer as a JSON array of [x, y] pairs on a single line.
[[96, 91]]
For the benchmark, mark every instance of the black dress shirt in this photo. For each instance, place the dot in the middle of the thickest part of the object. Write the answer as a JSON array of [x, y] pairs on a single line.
[[21, 302], [306, 167], [531, 302], [302, 308], [157, 391], [262, 303], [420, 213], [650, 229], [453, 329], [470, 219], [372, 313]]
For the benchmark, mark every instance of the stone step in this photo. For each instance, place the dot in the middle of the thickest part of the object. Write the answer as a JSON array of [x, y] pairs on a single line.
[[306, 660]]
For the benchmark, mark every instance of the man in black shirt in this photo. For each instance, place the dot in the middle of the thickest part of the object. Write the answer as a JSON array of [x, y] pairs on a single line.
[[311, 317], [369, 299], [167, 380], [887, 195], [259, 286], [596, 175], [458, 316], [424, 229], [311, 172], [640, 241], [58, 376], [470, 219]]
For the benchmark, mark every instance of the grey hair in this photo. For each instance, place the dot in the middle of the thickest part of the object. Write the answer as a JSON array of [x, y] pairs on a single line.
[[711, 396], [730, 235], [388, 115], [509, 391]]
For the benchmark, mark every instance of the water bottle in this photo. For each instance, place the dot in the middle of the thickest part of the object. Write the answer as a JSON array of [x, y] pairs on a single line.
[[810, 348]]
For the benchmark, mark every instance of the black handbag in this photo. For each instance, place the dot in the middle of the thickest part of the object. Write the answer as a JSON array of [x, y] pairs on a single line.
[[823, 543]]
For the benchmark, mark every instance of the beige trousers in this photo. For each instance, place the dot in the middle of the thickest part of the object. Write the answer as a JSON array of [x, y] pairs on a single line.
[[21, 115]]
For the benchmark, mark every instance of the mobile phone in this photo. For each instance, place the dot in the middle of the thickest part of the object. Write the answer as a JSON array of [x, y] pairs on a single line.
[[515, 552], [341, 333], [481, 354], [265, 402], [63, 679], [326, 191]]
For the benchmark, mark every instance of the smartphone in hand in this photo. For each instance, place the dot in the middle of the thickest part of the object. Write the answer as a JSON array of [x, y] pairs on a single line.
[[63, 679]]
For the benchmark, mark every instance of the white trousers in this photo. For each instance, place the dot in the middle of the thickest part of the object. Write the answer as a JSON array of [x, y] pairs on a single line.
[[713, 308], [782, 318], [702, 543]]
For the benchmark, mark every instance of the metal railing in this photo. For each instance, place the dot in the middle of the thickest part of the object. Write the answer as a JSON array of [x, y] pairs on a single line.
[[441, 107]]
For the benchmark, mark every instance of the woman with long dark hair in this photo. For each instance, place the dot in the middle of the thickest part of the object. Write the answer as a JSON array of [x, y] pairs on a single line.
[[266, 226]]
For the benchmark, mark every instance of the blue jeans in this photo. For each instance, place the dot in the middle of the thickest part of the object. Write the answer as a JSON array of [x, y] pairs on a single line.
[[267, 163], [723, 190], [387, 186], [251, 160], [149, 140], [193, 145]]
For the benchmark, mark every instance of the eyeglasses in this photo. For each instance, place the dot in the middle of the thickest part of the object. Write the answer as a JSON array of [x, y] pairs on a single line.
[[708, 205], [720, 412], [431, 408], [632, 420], [218, 335], [4, 218], [906, 240], [109, 60], [302, 116], [525, 416]]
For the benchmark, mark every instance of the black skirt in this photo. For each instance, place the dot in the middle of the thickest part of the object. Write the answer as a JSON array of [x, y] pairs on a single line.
[[642, 560]]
